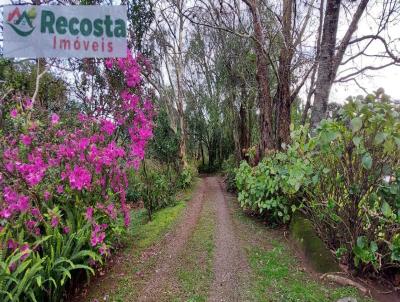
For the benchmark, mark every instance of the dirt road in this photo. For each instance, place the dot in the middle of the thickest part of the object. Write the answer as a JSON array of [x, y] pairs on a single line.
[[230, 267]]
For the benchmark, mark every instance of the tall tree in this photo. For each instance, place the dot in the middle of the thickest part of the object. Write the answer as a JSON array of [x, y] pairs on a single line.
[[329, 61]]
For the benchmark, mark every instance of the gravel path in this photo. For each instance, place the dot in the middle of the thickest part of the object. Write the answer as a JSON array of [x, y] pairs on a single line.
[[231, 269], [230, 266], [175, 244]]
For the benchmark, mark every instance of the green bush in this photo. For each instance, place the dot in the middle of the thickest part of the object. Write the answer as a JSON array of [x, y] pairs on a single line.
[[156, 184], [228, 168], [186, 177], [345, 177], [275, 186], [351, 204]]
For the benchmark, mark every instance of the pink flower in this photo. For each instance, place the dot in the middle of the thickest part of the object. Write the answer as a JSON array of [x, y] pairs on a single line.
[[83, 143], [30, 224], [6, 213], [23, 203], [110, 210], [66, 230], [80, 178], [10, 167], [12, 266], [14, 113], [33, 171], [28, 104], [54, 119], [97, 238], [108, 63], [54, 221], [26, 139], [103, 250], [107, 127], [25, 250], [12, 244], [89, 213], [46, 195], [35, 212], [10, 195], [60, 189]]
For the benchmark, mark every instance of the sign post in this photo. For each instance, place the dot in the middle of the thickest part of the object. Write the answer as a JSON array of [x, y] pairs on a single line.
[[90, 31]]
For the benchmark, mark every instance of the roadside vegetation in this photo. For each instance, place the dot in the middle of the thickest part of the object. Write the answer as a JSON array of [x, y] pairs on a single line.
[[345, 176]]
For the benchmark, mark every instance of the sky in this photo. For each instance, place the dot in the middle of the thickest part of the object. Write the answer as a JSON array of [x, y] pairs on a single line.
[[388, 78]]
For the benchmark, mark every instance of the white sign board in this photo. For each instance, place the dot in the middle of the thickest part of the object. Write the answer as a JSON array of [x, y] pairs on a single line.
[[90, 31]]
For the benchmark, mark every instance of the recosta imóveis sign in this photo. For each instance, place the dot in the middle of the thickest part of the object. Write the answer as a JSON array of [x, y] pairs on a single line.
[[65, 31]]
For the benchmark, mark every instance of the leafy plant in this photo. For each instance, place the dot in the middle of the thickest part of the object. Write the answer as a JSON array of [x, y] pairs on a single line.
[[20, 277], [275, 186], [186, 177], [356, 162], [62, 255], [228, 167]]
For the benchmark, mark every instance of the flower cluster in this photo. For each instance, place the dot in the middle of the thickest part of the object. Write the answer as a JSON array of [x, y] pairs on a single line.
[[47, 164]]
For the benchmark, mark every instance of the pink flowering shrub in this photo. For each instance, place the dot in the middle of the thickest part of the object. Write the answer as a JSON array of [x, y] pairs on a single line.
[[48, 166]]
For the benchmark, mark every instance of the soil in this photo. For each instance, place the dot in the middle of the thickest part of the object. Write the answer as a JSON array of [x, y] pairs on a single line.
[[231, 270], [175, 243], [230, 264]]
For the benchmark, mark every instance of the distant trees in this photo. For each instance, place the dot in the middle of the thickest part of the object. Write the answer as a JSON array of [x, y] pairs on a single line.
[[256, 58]]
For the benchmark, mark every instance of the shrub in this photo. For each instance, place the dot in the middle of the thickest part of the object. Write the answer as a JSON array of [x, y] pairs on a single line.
[[275, 186], [351, 204], [345, 177], [156, 190], [186, 177], [63, 185], [228, 168]]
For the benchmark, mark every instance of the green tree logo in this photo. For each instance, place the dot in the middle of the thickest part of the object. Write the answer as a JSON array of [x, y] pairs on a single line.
[[21, 23]]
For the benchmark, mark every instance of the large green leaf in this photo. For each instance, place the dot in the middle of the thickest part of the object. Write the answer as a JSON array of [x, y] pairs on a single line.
[[367, 161], [357, 140], [379, 138], [386, 209], [356, 124]]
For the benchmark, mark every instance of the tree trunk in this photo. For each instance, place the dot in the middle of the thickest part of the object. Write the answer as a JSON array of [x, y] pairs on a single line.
[[326, 60], [264, 94], [244, 135], [282, 98], [202, 153], [179, 87]]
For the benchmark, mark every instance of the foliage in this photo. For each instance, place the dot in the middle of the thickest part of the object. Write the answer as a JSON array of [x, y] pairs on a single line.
[[63, 184], [156, 190], [345, 177], [165, 144], [186, 177], [156, 183], [275, 186], [20, 79], [354, 155], [228, 168]]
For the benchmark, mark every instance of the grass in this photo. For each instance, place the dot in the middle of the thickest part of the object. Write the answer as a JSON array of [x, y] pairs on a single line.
[[143, 233], [121, 283], [195, 273], [279, 278]]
